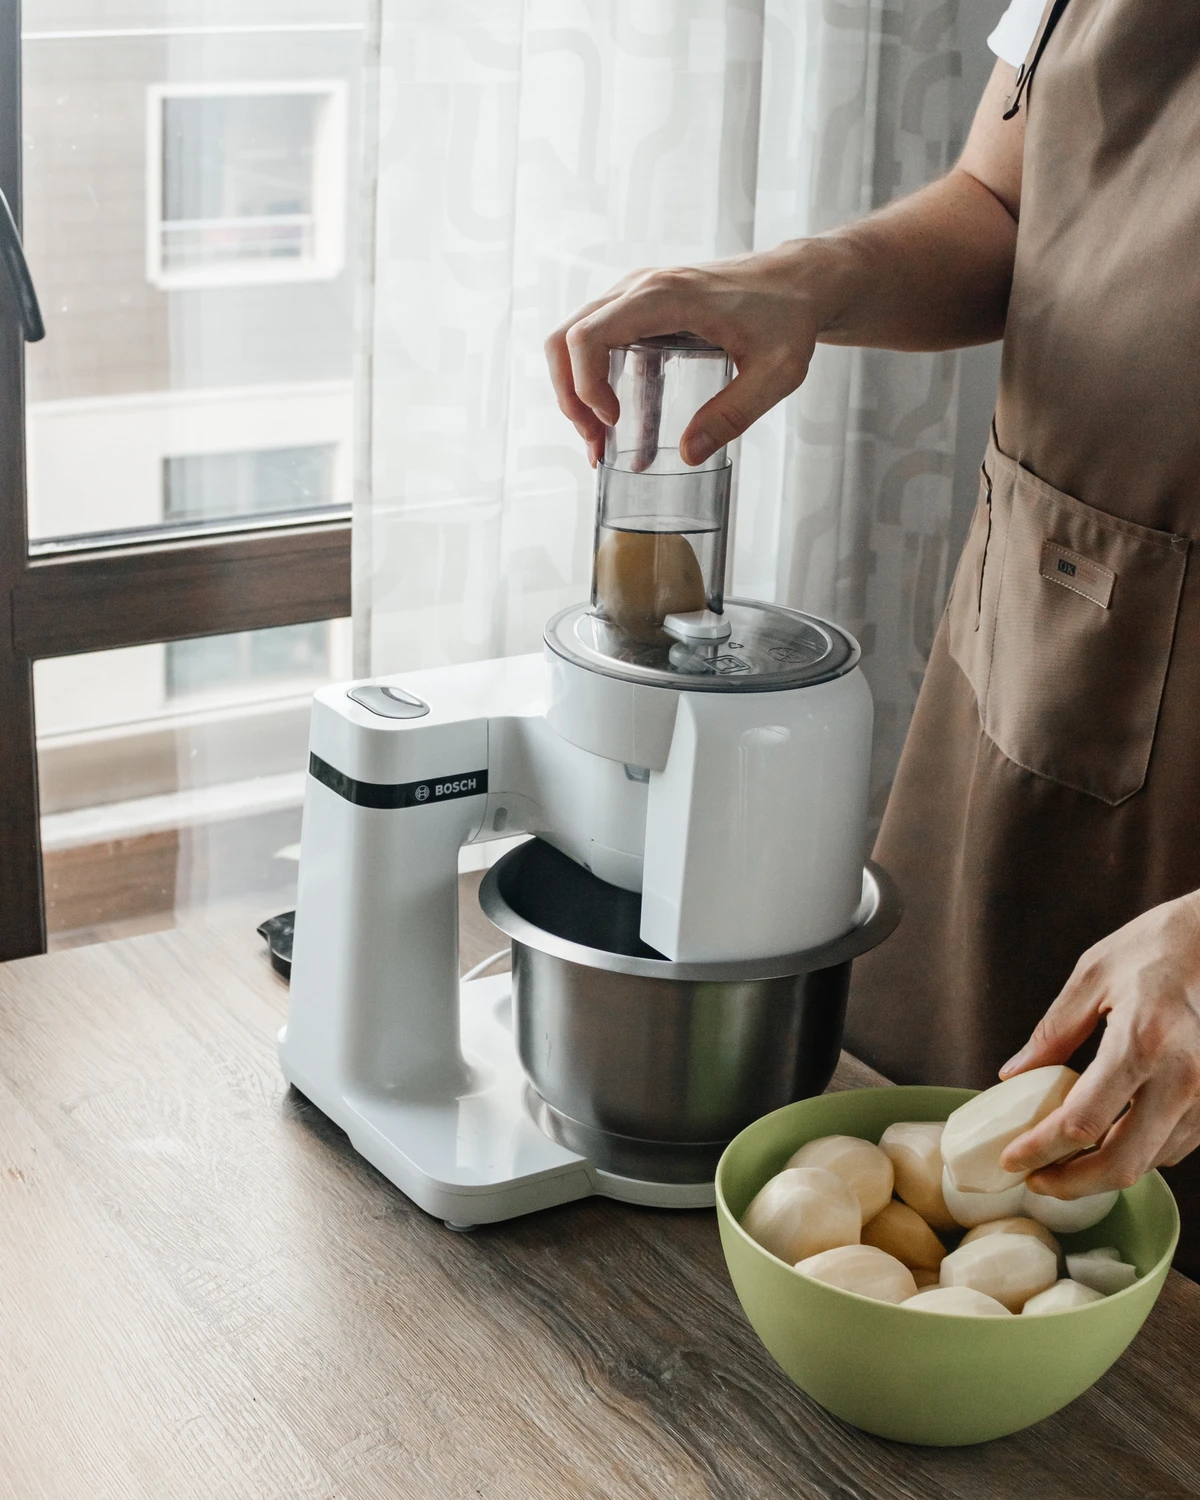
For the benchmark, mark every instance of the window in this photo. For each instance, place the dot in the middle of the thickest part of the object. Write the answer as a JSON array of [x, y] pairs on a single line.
[[172, 777], [245, 183], [181, 576], [249, 660], [196, 458], [200, 487]]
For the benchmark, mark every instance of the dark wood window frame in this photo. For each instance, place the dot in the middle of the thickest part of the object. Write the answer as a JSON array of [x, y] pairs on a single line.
[[95, 599]]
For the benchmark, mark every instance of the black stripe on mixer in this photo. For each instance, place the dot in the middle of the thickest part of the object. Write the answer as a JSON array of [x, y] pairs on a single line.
[[400, 794]]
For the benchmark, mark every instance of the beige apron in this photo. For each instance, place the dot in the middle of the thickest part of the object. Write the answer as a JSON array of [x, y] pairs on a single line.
[[1049, 789]]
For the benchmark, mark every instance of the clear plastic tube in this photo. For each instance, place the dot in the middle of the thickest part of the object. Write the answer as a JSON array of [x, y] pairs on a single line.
[[661, 524]]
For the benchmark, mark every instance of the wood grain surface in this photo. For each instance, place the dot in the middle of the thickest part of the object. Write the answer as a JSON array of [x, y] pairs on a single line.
[[205, 1293]]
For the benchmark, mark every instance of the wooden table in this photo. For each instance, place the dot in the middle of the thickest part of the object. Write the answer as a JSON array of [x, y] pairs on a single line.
[[204, 1292]]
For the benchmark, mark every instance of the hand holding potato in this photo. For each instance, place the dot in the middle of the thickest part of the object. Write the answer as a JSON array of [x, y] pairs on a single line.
[[1139, 1101]]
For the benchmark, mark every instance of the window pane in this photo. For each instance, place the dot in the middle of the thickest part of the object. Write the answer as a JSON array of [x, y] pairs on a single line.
[[190, 191], [172, 777], [238, 156], [258, 482], [239, 178], [225, 663]]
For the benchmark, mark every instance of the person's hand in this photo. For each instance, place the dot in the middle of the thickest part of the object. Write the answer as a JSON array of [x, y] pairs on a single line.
[[764, 310], [1144, 982]]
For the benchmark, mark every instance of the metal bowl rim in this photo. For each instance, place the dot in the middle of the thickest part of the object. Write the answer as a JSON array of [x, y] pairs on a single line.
[[877, 917]]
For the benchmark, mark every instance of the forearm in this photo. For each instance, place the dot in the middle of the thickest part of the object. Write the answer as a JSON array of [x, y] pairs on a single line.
[[930, 272]]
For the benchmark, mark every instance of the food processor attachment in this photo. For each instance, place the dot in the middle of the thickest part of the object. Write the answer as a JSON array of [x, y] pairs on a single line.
[[662, 525]]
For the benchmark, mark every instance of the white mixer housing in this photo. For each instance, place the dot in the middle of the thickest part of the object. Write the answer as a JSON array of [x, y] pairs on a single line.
[[740, 816]]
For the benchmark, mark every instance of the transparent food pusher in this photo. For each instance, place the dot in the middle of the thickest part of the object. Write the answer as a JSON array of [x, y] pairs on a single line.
[[662, 525], [694, 772]]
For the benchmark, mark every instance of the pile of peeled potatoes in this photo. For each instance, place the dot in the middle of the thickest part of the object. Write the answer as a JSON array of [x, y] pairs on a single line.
[[872, 1219]]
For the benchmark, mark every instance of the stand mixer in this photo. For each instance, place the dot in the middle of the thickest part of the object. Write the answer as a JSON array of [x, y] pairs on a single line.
[[695, 773]]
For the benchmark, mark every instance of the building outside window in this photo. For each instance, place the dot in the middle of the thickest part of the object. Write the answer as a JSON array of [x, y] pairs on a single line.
[[245, 183], [262, 482], [251, 659]]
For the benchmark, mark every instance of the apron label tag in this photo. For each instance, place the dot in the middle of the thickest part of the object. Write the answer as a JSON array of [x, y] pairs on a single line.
[[1090, 579]]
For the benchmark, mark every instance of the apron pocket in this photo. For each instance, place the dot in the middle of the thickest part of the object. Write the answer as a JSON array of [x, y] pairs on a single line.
[[1078, 619]]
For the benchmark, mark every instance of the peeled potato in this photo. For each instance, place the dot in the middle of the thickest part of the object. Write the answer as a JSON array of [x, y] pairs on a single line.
[[1099, 1271], [863, 1167], [1059, 1298], [862, 1269], [644, 576], [971, 1209], [1015, 1225], [1067, 1215], [962, 1301], [915, 1150], [978, 1132], [802, 1211], [902, 1232], [1009, 1267], [925, 1279]]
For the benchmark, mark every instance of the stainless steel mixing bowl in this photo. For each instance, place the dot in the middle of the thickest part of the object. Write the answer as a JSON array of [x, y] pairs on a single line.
[[648, 1067]]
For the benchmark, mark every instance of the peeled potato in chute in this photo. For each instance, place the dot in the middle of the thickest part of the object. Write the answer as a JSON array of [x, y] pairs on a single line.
[[644, 576]]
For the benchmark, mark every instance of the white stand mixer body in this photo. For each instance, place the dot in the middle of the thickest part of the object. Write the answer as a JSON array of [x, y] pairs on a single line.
[[740, 817]]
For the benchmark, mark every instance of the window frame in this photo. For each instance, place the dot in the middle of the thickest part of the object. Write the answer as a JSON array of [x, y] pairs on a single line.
[[329, 188], [183, 428], [94, 598]]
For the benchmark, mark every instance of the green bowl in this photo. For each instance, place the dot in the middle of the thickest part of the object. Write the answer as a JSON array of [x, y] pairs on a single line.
[[923, 1377]]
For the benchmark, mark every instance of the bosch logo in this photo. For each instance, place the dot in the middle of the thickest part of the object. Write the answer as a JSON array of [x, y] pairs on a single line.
[[395, 795], [445, 791]]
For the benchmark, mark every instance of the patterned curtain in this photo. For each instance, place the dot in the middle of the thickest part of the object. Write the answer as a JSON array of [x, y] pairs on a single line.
[[525, 154]]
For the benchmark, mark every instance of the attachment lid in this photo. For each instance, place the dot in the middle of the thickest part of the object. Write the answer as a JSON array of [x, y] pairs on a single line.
[[769, 649]]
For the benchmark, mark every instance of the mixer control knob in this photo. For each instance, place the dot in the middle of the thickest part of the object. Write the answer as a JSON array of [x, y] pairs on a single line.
[[389, 702]]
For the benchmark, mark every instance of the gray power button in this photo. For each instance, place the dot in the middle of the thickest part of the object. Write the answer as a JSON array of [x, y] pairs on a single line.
[[389, 702]]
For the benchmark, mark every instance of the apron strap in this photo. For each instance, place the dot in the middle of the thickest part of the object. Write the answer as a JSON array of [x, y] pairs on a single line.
[[1029, 66]]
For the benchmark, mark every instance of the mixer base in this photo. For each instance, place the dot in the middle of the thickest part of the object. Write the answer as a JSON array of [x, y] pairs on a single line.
[[476, 1156]]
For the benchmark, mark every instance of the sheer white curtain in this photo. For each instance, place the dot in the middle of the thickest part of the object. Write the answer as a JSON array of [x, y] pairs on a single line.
[[529, 152]]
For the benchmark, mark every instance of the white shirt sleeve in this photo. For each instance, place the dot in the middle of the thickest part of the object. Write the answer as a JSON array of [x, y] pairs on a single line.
[[1018, 26]]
